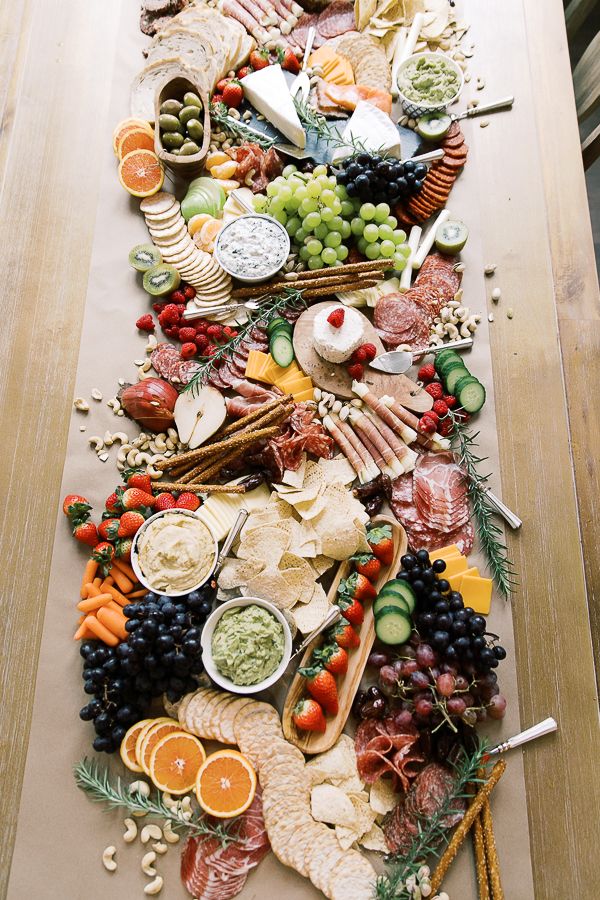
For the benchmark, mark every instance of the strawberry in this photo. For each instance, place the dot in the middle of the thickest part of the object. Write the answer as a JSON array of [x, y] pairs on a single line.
[[103, 554], [336, 317], [245, 70], [288, 60], [138, 479], [134, 498], [380, 542], [123, 548], [426, 373], [86, 533], [440, 408], [368, 565], [352, 609], [356, 371], [357, 587], [129, 524], [221, 85], [233, 94], [108, 529], [333, 657], [308, 716], [112, 503], [370, 350], [345, 636], [164, 501], [322, 687], [187, 500], [435, 390], [145, 323], [76, 508], [218, 105], [259, 59]]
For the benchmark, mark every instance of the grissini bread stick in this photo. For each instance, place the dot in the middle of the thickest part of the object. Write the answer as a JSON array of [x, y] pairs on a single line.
[[491, 853]]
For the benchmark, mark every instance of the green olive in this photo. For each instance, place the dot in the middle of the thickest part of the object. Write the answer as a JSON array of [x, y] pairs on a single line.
[[171, 107], [187, 113], [169, 123], [191, 99], [195, 129], [172, 139], [189, 148], [175, 151]]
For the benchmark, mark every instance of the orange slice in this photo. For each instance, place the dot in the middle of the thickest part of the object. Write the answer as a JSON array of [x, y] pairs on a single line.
[[226, 784], [208, 233], [128, 125], [127, 749], [135, 139], [141, 173], [151, 738], [175, 761]]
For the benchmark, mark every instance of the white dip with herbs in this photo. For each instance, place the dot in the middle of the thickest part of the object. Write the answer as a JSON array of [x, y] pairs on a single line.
[[252, 247]]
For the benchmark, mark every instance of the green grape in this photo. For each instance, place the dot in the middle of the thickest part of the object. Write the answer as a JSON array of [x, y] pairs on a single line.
[[333, 239], [292, 226], [373, 251], [303, 253], [382, 211], [362, 245], [347, 209], [357, 226], [301, 193], [314, 247], [399, 262], [329, 256], [319, 170], [399, 236], [289, 170], [336, 223], [327, 214], [386, 233], [277, 205], [321, 231], [315, 262], [292, 205], [404, 250], [295, 183], [387, 248], [324, 182], [371, 234], [285, 192], [392, 221], [300, 236], [328, 198], [272, 189], [313, 188], [345, 229], [341, 252], [341, 192], [367, 212], [356, 203], [281, 216], [260, 201], [337, 207], [311, 221]]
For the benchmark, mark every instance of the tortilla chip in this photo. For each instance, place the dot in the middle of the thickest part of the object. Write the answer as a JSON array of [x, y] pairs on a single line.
[[271, 585], [267, 543], [310, 615], [295, 478], [330, 804], [321, 564], [346, 836], [338, 762], [374, 839], [236, 572], [382, 797], [337, 469]]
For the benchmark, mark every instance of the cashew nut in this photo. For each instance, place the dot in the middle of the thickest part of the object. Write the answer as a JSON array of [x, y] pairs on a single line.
[[108, 862], [496, 294], [142, 377], [120, 412], [151, 832], [452, 331], [96, 394], [440, 329], [120, 436], [114, 404], [464, 330], [153, 473], [461, 312], [147, 860], [357, 402], [172, 433], [336, 406], [96, 442], [139, 362], [81, 405], [458, 295], [170, 443], [445, 314], [186, 803], [155, 887], [169, 835], [152, 343], [160, 848], [322, 408], [131, 457], [142, 459], [317, 394], [344, 413], [122, 454], [131, 831], [108, 440], [472, 323], [489, 270]]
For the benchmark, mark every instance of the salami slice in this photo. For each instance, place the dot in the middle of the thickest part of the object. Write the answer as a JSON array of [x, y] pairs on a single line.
[[165, 359], [337, 18]]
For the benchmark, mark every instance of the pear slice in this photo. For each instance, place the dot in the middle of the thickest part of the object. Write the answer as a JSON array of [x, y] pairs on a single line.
[[198, 414]]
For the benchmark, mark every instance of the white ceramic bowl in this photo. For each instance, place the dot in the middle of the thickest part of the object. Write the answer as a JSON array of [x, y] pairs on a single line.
[[416, 108], [251, 279], [206, 640], [135, 563]]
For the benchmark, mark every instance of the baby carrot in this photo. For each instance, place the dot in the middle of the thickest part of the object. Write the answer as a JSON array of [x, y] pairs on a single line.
[[89, 573], [97, 581], [122, 581], [117, 596], [108, 580], [126, 569], [83, 633], [114, 622], [93, 591], [114, 606], [94, 603], [134, 594], [100, 631]]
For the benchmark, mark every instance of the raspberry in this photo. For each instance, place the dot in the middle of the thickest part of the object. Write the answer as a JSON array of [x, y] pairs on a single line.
[[202, 342], [427, 425], [187, 334], [170, 315], [189, 292], [336, 317], [172, 332], [440, 408], [188, 350], [215, 332], [145, 323], [446, 427], [356, 370], [370, 350], [426, 373], [158, 307], [201, 326], [229, 332], [433, 416], [177, 297], [210, 350], [435, 390], [449, 400], [359, 355]]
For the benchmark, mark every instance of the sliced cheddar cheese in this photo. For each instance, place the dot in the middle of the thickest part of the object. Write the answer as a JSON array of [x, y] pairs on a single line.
[[456, 580], [477, 593], [443, 552], [304, 396], [256, 364], [455, 565]]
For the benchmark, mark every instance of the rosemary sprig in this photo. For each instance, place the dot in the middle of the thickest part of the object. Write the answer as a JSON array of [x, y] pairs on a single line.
[[239, 128], [489, 533], [324, 130], [271, 305], [95, 782], [433, 834]]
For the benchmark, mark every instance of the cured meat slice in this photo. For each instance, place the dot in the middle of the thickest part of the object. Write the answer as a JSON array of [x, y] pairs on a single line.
[[165, 359], [299, 34], [399, 319], [429, 791], [348, 96], [384, 748], [254, 162], [337, 18]]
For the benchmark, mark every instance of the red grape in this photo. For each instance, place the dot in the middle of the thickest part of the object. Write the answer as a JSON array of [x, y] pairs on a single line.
[[420, 680], [456, 706], [469, 717], [387, 679], [409, 666], [402, 718], [497, 707], [425, 655], [468, 698], [423, 708], [377, 659], [461, 683], [446, 685]]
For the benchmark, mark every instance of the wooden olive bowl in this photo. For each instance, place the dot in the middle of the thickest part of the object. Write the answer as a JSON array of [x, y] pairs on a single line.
[[173, 89]]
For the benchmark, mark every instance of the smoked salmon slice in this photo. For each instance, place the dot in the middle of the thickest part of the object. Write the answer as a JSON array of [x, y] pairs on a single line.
[[347, 96]]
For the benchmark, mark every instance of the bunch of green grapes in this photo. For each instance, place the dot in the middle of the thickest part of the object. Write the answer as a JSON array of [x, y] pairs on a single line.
[[377, 234]]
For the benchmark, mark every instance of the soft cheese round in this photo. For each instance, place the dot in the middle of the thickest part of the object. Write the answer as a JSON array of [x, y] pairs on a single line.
[[337, 344]]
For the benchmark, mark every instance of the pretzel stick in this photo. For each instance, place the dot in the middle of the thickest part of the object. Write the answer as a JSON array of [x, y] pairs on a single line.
[[214, 469], [365, 266], [350, 286], [465, 824], [322, 281], [255, 416], [491, 852], [235, 440], [205, 488], [480, 860]]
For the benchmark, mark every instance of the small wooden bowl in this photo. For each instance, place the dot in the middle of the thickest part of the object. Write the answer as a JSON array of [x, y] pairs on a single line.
[[173, 89]]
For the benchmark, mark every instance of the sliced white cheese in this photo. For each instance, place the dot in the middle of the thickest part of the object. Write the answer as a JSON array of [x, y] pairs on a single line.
[[368, 127], [267, 91]]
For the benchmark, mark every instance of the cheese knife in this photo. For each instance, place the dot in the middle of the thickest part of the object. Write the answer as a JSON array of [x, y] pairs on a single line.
[[330, 619], [301, 83], [396, 362]]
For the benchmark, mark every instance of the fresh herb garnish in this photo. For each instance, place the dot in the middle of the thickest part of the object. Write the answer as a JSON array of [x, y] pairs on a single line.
[[239, 128]]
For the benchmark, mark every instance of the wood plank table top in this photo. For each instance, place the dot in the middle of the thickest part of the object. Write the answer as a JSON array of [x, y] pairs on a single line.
[[55, 69]]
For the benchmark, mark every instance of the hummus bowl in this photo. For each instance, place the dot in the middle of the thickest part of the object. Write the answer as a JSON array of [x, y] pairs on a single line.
[[174, 552], [207, 643]]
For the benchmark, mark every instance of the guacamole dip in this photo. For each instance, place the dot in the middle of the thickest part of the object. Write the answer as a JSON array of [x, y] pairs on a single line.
[[247, 644], [429, 80]]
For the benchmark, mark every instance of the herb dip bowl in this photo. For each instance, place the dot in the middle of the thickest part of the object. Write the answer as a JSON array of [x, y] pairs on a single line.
[[252, 248], [416, 108]]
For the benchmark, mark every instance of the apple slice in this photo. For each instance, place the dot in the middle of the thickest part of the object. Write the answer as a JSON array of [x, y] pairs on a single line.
[[198, 414]]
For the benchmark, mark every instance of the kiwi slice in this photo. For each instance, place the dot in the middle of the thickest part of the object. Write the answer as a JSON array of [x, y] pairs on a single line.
[[433, 126], [144, 257], [451, 236], [161, 280]]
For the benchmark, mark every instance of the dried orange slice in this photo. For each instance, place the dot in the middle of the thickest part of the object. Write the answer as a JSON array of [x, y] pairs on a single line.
[[151, 738], [135, 139], [127, 749], [129, 125], [226, 784], [174, 762], [142, 734], [141, 173]]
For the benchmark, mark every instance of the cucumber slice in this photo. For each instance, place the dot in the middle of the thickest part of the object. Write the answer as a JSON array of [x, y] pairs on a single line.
[[275, 322], [451, 236], [442, 357], [433, 126], [470, 393], [282, 350], [448, 362], [453, 376], [392, 626], [281, 329], [389, 600], [400, 587]]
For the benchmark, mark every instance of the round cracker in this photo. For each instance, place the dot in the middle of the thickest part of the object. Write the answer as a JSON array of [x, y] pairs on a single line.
[[210, 714], [228, 718], [296, 853], [153, 218], [158, 202], [183, 705], [168, 233], [265, 710], [290, 841], [194, 714], [324, 855], [217, 716]]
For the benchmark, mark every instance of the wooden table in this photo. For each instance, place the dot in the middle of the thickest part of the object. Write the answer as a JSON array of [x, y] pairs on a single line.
[[55, 65]]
